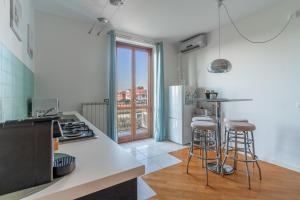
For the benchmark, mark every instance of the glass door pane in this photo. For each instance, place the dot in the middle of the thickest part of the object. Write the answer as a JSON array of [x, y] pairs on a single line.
[[124, 94], [142, 62], [133, 92]]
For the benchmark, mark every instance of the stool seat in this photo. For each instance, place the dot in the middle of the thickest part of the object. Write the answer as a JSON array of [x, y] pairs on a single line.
[[240, 126], [204, 125], [203, 118]]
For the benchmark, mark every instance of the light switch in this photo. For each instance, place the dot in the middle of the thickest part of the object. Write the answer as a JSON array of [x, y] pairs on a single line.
[[298, 105]]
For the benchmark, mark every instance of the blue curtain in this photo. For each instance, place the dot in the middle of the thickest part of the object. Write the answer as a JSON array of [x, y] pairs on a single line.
[[112, 107], [159, 96]]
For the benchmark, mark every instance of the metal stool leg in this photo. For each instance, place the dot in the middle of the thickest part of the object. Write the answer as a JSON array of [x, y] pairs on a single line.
[[187, 168], [201, 154], [250, 142], [235, 152], [246, 159], [205, 151], [254, 156], [191, 152]]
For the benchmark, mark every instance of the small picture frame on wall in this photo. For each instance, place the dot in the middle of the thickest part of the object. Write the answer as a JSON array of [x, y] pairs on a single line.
[[16, 17], [29, 41]]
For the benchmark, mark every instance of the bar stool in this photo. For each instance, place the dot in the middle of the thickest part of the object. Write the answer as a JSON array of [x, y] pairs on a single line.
[[226, 122], [203, 137], [202, 118], [241, 133]]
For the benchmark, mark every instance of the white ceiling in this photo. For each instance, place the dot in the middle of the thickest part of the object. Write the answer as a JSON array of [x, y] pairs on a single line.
[[169, 19]]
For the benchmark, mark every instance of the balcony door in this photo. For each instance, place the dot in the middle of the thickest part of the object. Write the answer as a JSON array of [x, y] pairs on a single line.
[[134, 97]]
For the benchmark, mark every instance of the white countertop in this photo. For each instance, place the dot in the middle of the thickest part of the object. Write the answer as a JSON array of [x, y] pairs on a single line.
[[100, 163]]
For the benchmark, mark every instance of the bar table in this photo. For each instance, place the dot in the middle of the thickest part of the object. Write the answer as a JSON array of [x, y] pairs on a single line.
[[217, 166]]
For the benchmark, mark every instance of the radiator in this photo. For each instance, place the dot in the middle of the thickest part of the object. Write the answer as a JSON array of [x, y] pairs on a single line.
[[96, 113]]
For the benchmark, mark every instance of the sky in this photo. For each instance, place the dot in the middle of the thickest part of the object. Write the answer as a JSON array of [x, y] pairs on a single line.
[[124, 73]]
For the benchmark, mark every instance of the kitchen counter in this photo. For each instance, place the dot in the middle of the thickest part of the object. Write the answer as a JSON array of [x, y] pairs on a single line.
[[100, 164]]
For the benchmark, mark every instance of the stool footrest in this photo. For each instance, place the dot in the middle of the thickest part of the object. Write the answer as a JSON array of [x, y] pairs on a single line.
[[240, 160], [203, 158]]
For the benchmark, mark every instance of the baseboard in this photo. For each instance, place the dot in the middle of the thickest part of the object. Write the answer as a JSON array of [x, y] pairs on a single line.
[[281, 164]]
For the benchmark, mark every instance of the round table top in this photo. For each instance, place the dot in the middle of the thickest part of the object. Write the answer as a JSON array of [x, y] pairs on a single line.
[[222, 100]]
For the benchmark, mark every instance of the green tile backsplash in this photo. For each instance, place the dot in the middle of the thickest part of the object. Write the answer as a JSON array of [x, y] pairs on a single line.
[[16, 86]]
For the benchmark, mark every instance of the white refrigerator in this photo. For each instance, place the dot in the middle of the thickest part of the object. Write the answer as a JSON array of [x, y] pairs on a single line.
[[180, 108]]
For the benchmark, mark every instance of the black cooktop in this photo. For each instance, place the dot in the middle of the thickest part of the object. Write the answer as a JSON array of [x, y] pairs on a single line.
[[75, 131]]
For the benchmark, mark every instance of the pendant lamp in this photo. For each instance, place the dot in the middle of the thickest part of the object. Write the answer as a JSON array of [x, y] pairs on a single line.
[[219, 65]]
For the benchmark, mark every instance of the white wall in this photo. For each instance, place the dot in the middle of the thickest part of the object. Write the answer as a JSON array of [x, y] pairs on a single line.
[[7, 36], [71, 64], [170, 59], [268, 73], [170, 74]]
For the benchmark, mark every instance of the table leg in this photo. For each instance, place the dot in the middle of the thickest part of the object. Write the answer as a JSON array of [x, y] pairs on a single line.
[[217, 167]]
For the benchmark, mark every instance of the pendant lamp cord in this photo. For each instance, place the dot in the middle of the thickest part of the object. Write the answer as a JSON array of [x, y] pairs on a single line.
[[243, 35], [219, 13]]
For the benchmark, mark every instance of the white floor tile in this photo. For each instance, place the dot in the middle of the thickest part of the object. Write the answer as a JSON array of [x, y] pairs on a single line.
[[144, 190], [154, 155], [170, 147], [150, 166], [139, 156], [151, 151], [165, 160]]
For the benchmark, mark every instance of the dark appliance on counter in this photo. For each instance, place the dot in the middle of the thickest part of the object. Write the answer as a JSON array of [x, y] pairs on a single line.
[[42, 107], [75, 131], [210, 94], [26, 154]]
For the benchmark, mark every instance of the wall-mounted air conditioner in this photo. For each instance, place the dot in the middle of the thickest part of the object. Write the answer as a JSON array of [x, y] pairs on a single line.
[[195, 42]]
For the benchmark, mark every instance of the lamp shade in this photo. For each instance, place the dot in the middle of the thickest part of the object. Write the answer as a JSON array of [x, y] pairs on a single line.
[[220, 66]]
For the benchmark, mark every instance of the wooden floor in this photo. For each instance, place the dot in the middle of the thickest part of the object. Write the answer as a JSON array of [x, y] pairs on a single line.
[[173, 183]]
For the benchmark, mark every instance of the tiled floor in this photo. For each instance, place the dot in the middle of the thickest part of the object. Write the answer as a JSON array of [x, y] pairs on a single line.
[[155, 156]]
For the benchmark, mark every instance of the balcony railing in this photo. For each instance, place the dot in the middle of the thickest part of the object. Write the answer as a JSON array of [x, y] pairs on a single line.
[[124, 117]]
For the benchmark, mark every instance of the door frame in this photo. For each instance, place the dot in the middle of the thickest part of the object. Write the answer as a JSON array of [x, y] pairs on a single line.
[[133, 136]]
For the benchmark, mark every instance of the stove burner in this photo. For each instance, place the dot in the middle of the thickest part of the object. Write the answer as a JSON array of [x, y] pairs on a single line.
[[72, 133], [78, 125], [75, 130]]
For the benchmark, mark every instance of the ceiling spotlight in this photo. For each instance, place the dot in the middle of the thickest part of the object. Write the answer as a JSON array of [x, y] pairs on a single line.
[[91, 30], [102, 20], [116, 2]]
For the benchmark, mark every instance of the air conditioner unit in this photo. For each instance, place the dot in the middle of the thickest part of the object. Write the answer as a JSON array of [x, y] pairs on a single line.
[[195, 42]]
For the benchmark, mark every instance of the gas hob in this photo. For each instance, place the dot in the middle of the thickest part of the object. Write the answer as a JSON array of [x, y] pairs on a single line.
[[75, 131]]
